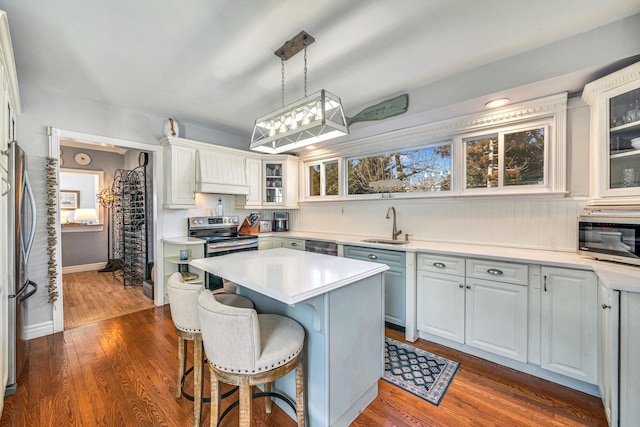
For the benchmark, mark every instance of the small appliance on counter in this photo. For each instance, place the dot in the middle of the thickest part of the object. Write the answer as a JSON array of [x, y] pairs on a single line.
[[265, 226], [281, 221]]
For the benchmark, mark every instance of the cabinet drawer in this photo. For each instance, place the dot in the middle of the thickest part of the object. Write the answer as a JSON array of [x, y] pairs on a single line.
[[293, 244], [391, 258], [441, 264], [497, 271]]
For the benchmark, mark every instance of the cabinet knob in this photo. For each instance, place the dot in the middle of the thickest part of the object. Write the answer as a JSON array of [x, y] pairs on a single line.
[[460, 285], [495, 271], [605, 306], [468, 286], [372, 256], [439, 265]]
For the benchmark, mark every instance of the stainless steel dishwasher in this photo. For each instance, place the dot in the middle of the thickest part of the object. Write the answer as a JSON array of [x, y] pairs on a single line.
[[321, 247]]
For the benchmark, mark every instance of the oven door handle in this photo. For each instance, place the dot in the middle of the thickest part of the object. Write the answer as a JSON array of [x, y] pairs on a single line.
[[225, 247]]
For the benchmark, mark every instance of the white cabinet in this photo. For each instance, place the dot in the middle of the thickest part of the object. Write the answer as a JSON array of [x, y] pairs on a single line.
[[285, 242], [496, 308], [456, 301], [180, 175], [440, 296], [265, 243], [280, 184], [569, 323], [608, 345], [629, 364], [178, 252], [254, 180], [615, 122]]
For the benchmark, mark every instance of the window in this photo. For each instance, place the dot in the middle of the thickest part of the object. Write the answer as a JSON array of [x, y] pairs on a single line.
[[520, 149], [323, 179], [506, 159], [422, 170]]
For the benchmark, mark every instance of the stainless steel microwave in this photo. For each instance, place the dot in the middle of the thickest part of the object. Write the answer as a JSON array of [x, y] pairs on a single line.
[[610, 238]]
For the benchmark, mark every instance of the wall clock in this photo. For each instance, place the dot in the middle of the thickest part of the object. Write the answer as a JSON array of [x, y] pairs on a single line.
[[82, 159]]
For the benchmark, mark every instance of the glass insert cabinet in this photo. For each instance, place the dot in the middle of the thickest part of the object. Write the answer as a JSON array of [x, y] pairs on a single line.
[[274, 179], [615, 136], [624, 140]]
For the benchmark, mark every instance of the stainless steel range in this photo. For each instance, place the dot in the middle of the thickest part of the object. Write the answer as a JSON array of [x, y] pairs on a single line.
[[221, 237]]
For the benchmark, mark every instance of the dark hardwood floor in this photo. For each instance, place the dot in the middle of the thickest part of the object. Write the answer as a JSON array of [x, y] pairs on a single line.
[[121, 372]]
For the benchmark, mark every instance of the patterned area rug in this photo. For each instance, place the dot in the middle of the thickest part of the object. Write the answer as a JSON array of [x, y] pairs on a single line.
[[417, 371]]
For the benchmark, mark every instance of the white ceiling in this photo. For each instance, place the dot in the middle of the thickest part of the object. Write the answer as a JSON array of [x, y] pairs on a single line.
[[211, 62]]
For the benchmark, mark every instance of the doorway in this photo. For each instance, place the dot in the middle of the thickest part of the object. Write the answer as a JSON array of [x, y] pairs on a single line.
[[85, 294]]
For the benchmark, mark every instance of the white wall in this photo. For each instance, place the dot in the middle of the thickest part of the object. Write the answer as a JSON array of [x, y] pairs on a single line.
[[41, 109], [540, 222]]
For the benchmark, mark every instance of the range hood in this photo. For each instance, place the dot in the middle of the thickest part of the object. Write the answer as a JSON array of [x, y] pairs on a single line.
[[220, 174]]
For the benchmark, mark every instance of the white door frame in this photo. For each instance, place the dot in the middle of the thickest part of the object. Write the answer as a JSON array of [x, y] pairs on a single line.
[[54, 151]]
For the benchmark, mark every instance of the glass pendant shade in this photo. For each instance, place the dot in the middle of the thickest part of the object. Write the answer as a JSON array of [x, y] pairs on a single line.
[[315, 118]]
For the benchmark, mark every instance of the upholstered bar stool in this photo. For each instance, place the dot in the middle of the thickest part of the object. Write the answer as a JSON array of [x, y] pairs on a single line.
[[246, 349], [183, 299]]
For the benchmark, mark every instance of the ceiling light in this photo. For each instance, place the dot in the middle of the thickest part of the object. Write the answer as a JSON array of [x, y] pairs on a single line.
[[495, 103], [312, 119]]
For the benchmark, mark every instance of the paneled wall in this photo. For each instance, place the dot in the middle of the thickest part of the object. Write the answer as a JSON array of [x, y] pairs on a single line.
[[535, 223]]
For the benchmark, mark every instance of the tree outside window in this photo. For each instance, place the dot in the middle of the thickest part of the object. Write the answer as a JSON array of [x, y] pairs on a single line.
[[423, 170]]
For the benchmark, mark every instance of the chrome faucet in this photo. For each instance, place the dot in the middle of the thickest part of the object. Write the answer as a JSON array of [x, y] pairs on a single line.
[[395, 233]]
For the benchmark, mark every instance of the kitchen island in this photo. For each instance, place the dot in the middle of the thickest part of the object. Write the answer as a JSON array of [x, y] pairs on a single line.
[[340, 304]]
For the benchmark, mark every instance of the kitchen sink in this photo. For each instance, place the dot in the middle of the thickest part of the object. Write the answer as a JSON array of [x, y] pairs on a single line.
[[387, 241]]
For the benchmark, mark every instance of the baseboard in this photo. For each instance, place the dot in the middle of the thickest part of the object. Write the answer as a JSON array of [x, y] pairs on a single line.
[[83, 267], [38, 330]]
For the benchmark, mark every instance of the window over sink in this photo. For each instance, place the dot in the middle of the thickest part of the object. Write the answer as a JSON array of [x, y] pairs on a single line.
[[519, 149]]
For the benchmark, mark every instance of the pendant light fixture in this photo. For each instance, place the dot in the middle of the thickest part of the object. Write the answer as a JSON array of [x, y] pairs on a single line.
[[312, 119]]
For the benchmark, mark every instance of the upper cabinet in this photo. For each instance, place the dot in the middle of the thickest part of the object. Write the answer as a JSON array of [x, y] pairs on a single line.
[[180, 175], [273, 183], [280, 184], [615, 137]]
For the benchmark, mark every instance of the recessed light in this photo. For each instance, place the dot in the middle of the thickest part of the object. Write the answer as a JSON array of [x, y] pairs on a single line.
[[495, 103], [310, 147]]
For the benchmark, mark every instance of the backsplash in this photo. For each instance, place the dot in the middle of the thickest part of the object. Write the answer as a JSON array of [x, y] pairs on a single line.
[[532, 223]]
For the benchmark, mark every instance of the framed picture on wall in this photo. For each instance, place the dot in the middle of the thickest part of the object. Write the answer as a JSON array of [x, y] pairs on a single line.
[[69, 199]]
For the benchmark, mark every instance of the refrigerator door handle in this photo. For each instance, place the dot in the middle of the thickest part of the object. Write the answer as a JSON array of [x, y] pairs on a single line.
[[27, 190], [5, 192], [30, 293]]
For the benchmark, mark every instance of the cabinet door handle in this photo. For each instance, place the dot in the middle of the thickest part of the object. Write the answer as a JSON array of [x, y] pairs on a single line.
[[495, 271], [294, 244], [372, 256], [545, 283], [439, 265], [605, 306], [460, 285], [468, 286]]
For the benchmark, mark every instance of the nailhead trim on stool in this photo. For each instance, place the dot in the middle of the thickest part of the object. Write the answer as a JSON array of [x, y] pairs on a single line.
[[183, 299], [271, 347]]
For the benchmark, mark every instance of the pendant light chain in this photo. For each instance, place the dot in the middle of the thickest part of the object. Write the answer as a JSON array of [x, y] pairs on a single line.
[[305, 66], [282, 92]]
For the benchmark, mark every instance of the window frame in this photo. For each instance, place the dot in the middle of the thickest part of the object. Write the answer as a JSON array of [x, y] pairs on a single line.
[[323, 188], [500, 133], [549, 112]]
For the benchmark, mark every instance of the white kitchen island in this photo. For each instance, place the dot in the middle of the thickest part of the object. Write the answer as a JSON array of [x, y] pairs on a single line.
[[340, 304]]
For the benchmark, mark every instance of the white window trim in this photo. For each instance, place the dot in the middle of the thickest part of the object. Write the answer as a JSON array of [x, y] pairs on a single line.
[[551, 110]]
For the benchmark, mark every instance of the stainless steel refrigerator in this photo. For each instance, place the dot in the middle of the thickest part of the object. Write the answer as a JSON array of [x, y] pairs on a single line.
[[22, 226]]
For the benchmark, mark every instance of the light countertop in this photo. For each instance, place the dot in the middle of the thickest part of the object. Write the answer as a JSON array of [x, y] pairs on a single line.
[[289, 275], [612, 275]]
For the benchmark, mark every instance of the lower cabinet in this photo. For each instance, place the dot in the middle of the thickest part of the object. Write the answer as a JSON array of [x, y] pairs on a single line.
[[496, 318], [453, 303], [286, 242], [608, 345], [395, 279], [569, 329], [629, 366], [264, 243]]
